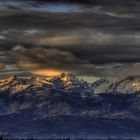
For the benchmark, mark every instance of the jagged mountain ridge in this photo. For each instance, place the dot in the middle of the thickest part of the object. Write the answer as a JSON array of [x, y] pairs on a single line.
[[69, 82], [70, 96], [128, 85], [65, 82], [64, 98]]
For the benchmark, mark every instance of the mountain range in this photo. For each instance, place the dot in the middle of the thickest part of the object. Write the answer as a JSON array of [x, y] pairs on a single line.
[[64, 105]]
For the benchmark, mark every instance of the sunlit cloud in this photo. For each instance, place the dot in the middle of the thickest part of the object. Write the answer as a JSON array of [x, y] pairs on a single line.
[[58, 40], [47, 62], [47, 72], [92, 38]]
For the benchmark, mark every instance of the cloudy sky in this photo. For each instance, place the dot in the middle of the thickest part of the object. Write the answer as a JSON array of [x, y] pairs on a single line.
[[95, 39]]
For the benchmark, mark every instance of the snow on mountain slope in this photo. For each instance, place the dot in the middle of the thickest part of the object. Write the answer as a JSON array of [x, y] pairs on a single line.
[[70, 83], [128, 85]]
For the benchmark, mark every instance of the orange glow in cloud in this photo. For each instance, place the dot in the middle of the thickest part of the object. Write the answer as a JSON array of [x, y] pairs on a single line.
[[47, 72]]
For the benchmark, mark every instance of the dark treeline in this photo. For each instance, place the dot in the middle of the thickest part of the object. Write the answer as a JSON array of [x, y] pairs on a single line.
[[2, 138], [94, 1], [75, 1]]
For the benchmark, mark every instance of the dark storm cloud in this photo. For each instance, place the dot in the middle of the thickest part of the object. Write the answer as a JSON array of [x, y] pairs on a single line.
[[94, 1], [109, 54], [94, 48], [116, 18], [97, 48], [41, 58], [41, 55], [32, 59], [73, 37]]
